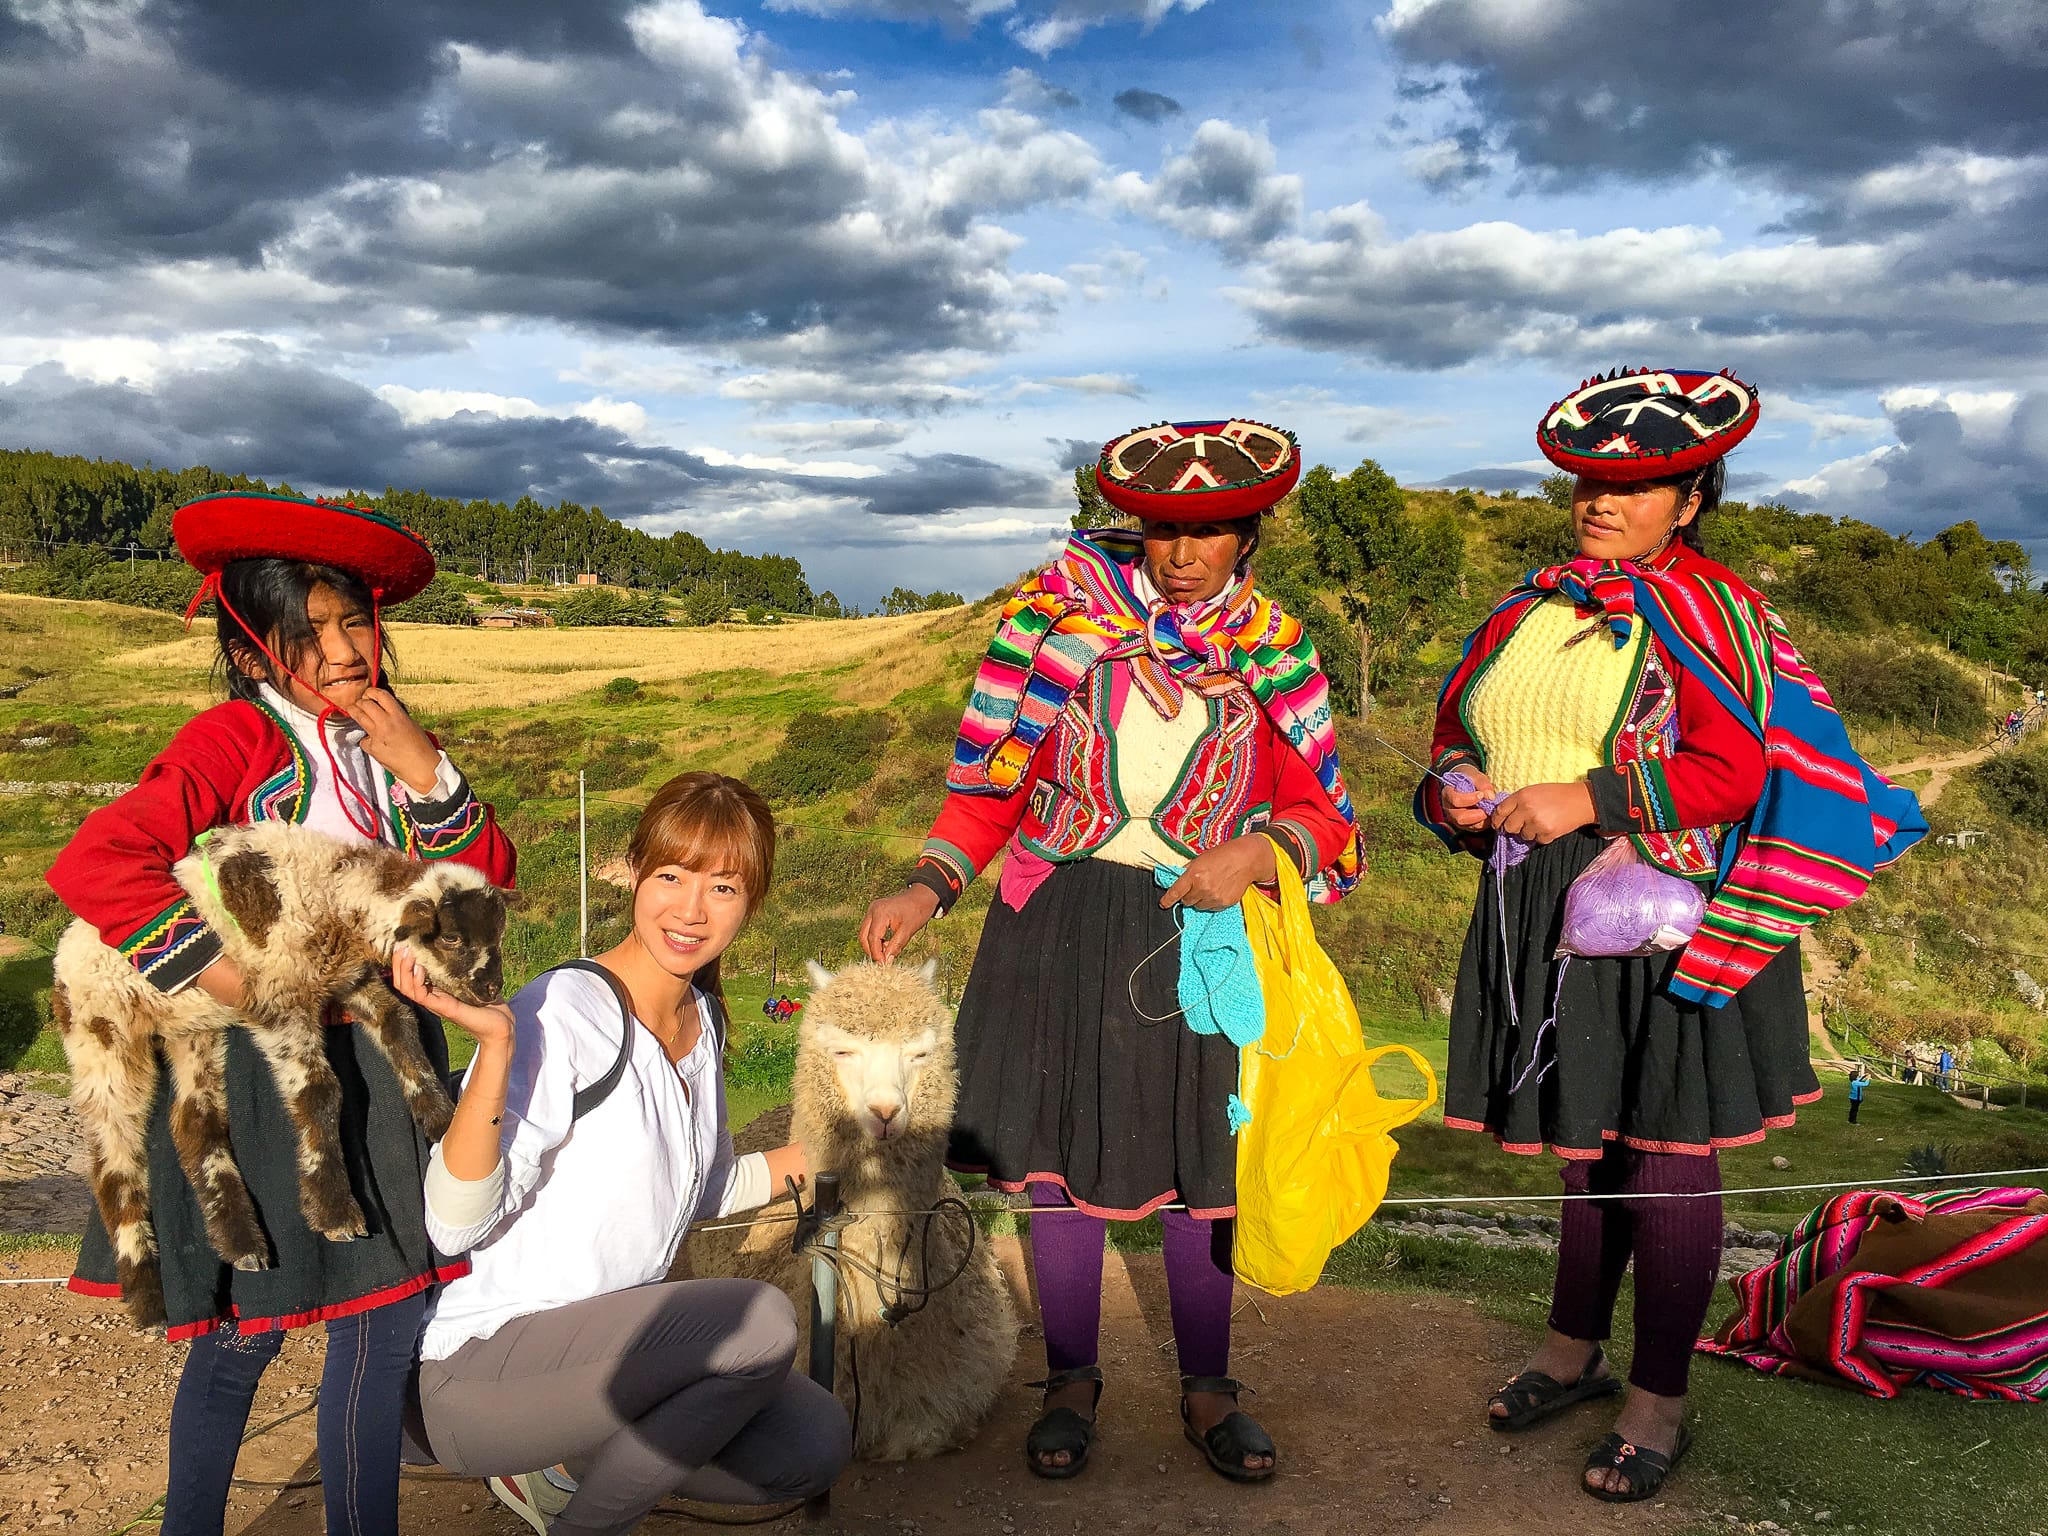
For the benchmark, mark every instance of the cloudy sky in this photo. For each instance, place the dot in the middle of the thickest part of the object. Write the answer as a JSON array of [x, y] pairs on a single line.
[[861, 280]]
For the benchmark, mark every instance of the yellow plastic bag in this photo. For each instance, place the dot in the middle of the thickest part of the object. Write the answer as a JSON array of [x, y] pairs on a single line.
[[1312, 1165]]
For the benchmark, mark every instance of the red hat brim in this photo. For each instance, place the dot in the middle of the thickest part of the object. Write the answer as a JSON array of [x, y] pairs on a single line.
[[1583, 434], [1195, 503], [389, 558]]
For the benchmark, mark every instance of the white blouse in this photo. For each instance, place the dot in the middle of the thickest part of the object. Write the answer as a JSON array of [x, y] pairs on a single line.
[[584, 1208]]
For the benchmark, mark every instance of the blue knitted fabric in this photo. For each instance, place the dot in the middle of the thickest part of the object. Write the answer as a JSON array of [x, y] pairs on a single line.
[[1219, 985]]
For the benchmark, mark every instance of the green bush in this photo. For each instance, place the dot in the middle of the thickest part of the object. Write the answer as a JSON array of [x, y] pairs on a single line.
[[620, 690], [1536, 534], [706, 603], [593, 607], [2016, 782], [1875, 681], [441, 603], [822, 754]]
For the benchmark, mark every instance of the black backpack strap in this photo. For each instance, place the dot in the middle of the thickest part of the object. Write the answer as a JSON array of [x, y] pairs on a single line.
[[719, 1027], [589, 1098]]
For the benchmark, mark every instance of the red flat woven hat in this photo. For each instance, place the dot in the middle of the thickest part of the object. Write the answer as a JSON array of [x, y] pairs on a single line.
[[392, 560], [1198, 471], [1646, 424]]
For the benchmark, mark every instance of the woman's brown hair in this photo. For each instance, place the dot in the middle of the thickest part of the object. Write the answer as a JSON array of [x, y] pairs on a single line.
[[708, 822]]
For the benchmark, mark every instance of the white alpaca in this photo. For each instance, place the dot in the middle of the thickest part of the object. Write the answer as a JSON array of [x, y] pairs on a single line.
[[873, 1098]]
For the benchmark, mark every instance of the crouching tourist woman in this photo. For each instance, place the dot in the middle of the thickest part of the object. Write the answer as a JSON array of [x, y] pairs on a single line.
[[590, 1132], [1643, 707], [1148, 732]]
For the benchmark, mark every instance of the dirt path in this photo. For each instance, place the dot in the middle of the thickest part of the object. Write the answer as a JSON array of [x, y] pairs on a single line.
[[1827, 975], [1940, 768], [1374, 1400]]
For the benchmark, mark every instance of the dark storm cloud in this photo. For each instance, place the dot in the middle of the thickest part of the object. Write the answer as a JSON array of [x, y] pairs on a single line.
[[190, 129], [1832, 90], [1147, 106], [1072, 452], [1947, 466], [284, 421], [929, 484], [635, 169]]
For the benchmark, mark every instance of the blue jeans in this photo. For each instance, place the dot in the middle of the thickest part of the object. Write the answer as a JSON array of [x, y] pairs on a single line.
[[362, 1395]]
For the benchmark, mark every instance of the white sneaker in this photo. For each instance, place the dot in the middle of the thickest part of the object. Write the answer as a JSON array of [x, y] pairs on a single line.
[[531, 1497]]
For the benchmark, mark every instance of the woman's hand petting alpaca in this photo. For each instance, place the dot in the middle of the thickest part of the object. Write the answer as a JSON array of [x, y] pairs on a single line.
[[1543, 813], [490, 1025], [1220, 877], [893, 921], [393, 738]]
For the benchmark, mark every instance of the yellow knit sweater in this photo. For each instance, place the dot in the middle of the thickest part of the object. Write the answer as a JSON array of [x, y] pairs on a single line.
[[1543, 709]]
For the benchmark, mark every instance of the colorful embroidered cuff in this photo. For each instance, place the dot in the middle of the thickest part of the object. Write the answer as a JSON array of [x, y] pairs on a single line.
[[172, 948], [1295, 843], [445, 827], [939, 879], [1650, 807]]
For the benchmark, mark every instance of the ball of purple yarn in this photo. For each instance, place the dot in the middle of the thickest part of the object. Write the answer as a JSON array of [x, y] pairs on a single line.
[[1622, 908]]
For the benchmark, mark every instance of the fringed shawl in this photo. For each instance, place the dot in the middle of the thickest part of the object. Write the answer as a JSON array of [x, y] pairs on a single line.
[[1083, 610], [1825, 822]]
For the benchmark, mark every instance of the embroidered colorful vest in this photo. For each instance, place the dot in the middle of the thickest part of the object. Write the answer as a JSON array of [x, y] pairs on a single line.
[[1075, 807]]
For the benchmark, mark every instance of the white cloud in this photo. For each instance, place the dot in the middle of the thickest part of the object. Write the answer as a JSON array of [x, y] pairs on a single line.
[[1042, 28], [846, 435], [1225, 189]]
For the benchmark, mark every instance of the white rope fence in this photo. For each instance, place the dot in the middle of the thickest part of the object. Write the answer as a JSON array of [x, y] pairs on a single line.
[[1974, 1180]]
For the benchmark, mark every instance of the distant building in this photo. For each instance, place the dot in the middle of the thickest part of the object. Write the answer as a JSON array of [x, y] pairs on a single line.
[[587, 579], [517, 618]]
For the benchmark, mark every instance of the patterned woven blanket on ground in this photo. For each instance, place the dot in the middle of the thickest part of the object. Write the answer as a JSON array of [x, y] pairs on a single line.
[[1879, 1291]]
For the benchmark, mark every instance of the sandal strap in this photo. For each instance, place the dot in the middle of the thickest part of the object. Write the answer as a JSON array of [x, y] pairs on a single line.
[[1059, 1380], [1225, 1384]]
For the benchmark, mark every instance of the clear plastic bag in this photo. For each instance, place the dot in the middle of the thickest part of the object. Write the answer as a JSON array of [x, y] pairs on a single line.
[[1621, 904]]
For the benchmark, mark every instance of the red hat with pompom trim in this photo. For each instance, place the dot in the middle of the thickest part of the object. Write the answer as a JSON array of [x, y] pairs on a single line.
[[1647, 424], [389, 558], [1198, 471]]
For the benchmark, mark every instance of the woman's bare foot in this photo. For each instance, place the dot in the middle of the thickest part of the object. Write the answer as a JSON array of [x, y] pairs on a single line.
[[1648, 1421]]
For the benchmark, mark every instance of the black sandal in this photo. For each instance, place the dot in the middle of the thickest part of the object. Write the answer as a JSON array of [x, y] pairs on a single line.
[[1062, 1429], [1232, 1438], [1534, 1396], [1643, 1469]]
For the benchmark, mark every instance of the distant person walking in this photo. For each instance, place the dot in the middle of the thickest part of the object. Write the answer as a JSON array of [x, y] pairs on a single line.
[[2014, 719], [1946, 1066], [1858, 1081]]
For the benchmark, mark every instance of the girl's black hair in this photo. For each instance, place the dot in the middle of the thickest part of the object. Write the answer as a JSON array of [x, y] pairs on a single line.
[[271, 596], [1247, 530], [1710, 480]]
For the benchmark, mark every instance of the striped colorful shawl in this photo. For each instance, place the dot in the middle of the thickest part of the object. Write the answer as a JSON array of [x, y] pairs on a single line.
[[1954, 1298], [1826, 821], [1081, 611]]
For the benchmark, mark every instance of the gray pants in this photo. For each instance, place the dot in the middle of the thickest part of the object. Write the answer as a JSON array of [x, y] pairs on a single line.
[[683, 1388]]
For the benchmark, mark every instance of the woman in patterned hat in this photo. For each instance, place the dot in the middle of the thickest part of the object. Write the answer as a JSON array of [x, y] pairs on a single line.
[[310, 733], [1626, 694], [1148, 731]]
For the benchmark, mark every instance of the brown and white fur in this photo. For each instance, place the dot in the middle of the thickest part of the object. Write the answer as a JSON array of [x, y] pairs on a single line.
[[873, 1098], [310, 922]]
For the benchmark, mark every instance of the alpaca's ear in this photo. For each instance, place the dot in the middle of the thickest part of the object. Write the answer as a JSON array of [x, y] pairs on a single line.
[[820, 977], [928, 972]]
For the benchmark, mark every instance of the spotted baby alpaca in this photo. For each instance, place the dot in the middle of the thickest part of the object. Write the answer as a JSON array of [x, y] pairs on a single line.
[[872, 1099], [310, 922]]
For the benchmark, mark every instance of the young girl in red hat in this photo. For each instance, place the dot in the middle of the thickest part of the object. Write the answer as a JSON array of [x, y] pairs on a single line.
[[310, 734]]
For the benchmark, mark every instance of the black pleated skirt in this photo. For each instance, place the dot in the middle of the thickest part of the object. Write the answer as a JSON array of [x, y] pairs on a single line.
[[311, 1279], [1075, 1066], [1626, 1061]]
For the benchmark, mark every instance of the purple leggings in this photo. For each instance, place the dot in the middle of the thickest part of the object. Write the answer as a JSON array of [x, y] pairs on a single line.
[[1066, 1255], [1677, 1249]]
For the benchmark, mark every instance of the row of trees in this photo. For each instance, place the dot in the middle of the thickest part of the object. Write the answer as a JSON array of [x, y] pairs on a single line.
[[50, 501]]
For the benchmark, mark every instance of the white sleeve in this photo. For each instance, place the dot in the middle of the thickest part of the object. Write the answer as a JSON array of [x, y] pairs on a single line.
[[552, 1018]]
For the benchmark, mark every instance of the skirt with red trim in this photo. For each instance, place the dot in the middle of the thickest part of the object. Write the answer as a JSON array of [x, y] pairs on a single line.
[[1623, 1060], [1075, 1066], [310, 1279]]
